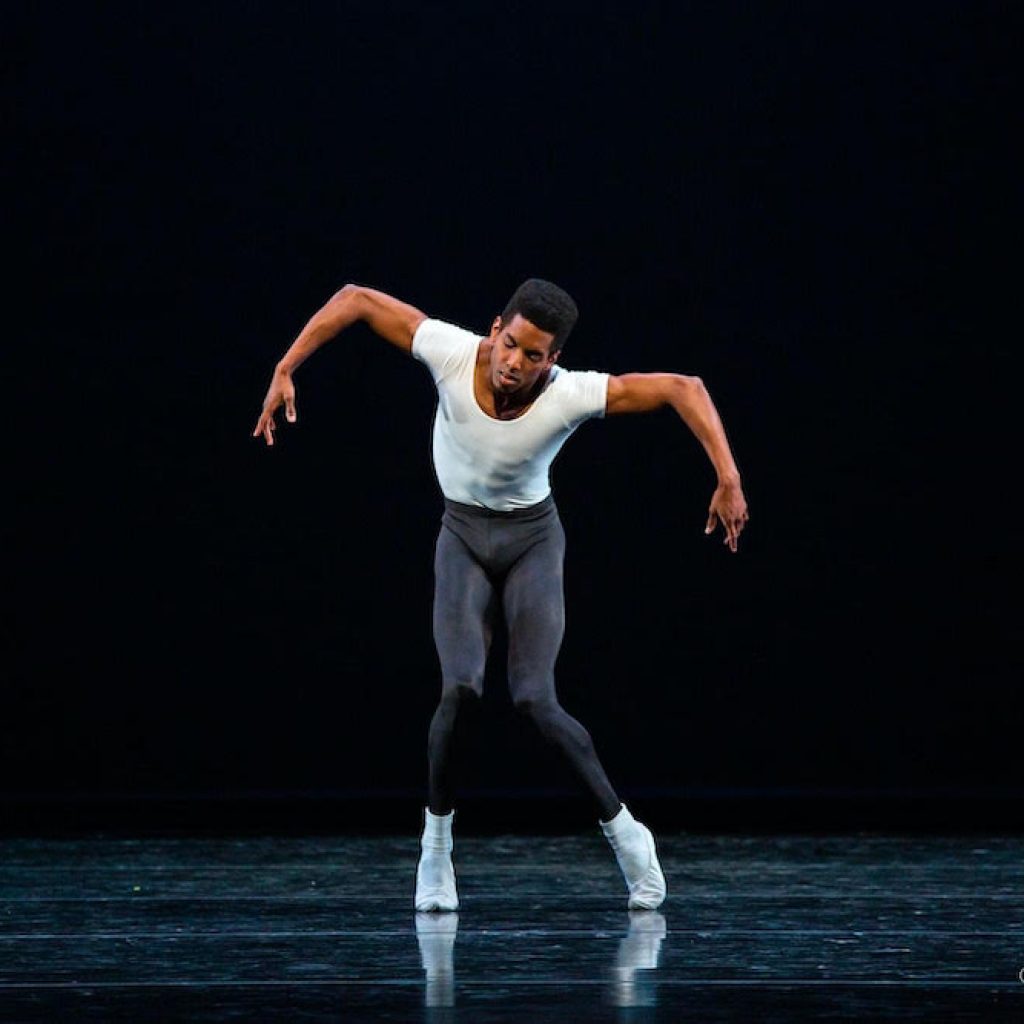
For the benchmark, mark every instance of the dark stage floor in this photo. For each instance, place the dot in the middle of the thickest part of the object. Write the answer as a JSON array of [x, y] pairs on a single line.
[[772, 928]]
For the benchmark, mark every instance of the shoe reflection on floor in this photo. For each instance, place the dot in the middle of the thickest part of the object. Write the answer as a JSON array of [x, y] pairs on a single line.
[[435, 934], [638, 950]]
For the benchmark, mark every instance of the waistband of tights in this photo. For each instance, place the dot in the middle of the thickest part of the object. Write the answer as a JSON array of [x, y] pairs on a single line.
[[482, 512]]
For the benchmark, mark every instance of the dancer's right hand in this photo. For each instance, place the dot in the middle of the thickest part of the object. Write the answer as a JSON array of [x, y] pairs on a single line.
[[281, 391]]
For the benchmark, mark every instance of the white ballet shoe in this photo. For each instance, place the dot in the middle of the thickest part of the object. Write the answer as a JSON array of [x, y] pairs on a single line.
[[638, 859], [435, 873]]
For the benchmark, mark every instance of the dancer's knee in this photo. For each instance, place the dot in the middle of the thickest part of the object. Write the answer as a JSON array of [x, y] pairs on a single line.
[[553, 721], [461, 691], [540, 709], [455, 696]]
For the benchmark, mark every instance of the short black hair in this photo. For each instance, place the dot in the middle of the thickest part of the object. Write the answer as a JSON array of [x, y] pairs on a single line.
[[546, 306]]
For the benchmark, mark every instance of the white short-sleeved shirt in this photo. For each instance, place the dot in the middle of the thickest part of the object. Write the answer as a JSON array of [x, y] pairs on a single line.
[[498, 464]]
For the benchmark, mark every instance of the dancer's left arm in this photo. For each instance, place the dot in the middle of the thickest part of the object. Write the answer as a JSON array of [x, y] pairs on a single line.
[[645, 392]]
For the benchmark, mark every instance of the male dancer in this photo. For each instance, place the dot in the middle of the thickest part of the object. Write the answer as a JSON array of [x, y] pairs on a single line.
[[504, 410]]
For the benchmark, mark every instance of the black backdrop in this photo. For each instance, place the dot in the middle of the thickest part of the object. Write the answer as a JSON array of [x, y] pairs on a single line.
[[811, 206]]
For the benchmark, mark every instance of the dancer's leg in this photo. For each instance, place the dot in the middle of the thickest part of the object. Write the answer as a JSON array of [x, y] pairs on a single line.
[[463, 607], [463, 598], [535, 612]]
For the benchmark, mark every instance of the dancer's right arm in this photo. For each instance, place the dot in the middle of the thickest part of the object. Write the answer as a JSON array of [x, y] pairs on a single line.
[[393, 320]]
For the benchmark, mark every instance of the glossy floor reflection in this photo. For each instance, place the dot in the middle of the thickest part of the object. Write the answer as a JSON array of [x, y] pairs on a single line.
[[637, 951], [784, 928]]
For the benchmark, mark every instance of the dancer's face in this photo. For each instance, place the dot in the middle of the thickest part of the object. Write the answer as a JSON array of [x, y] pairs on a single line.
[[520, 354]]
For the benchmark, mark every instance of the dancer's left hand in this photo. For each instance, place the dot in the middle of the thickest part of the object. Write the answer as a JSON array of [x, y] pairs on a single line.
[[729, 507]]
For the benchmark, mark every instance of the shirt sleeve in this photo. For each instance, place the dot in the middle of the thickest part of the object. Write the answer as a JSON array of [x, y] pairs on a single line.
[[441, 346], [585, 395]]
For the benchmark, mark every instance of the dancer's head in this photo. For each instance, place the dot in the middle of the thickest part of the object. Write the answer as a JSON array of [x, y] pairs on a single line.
[[546, 306], [529, 334]]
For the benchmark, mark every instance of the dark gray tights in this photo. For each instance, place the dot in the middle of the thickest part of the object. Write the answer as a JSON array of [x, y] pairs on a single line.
[[485, 559]]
